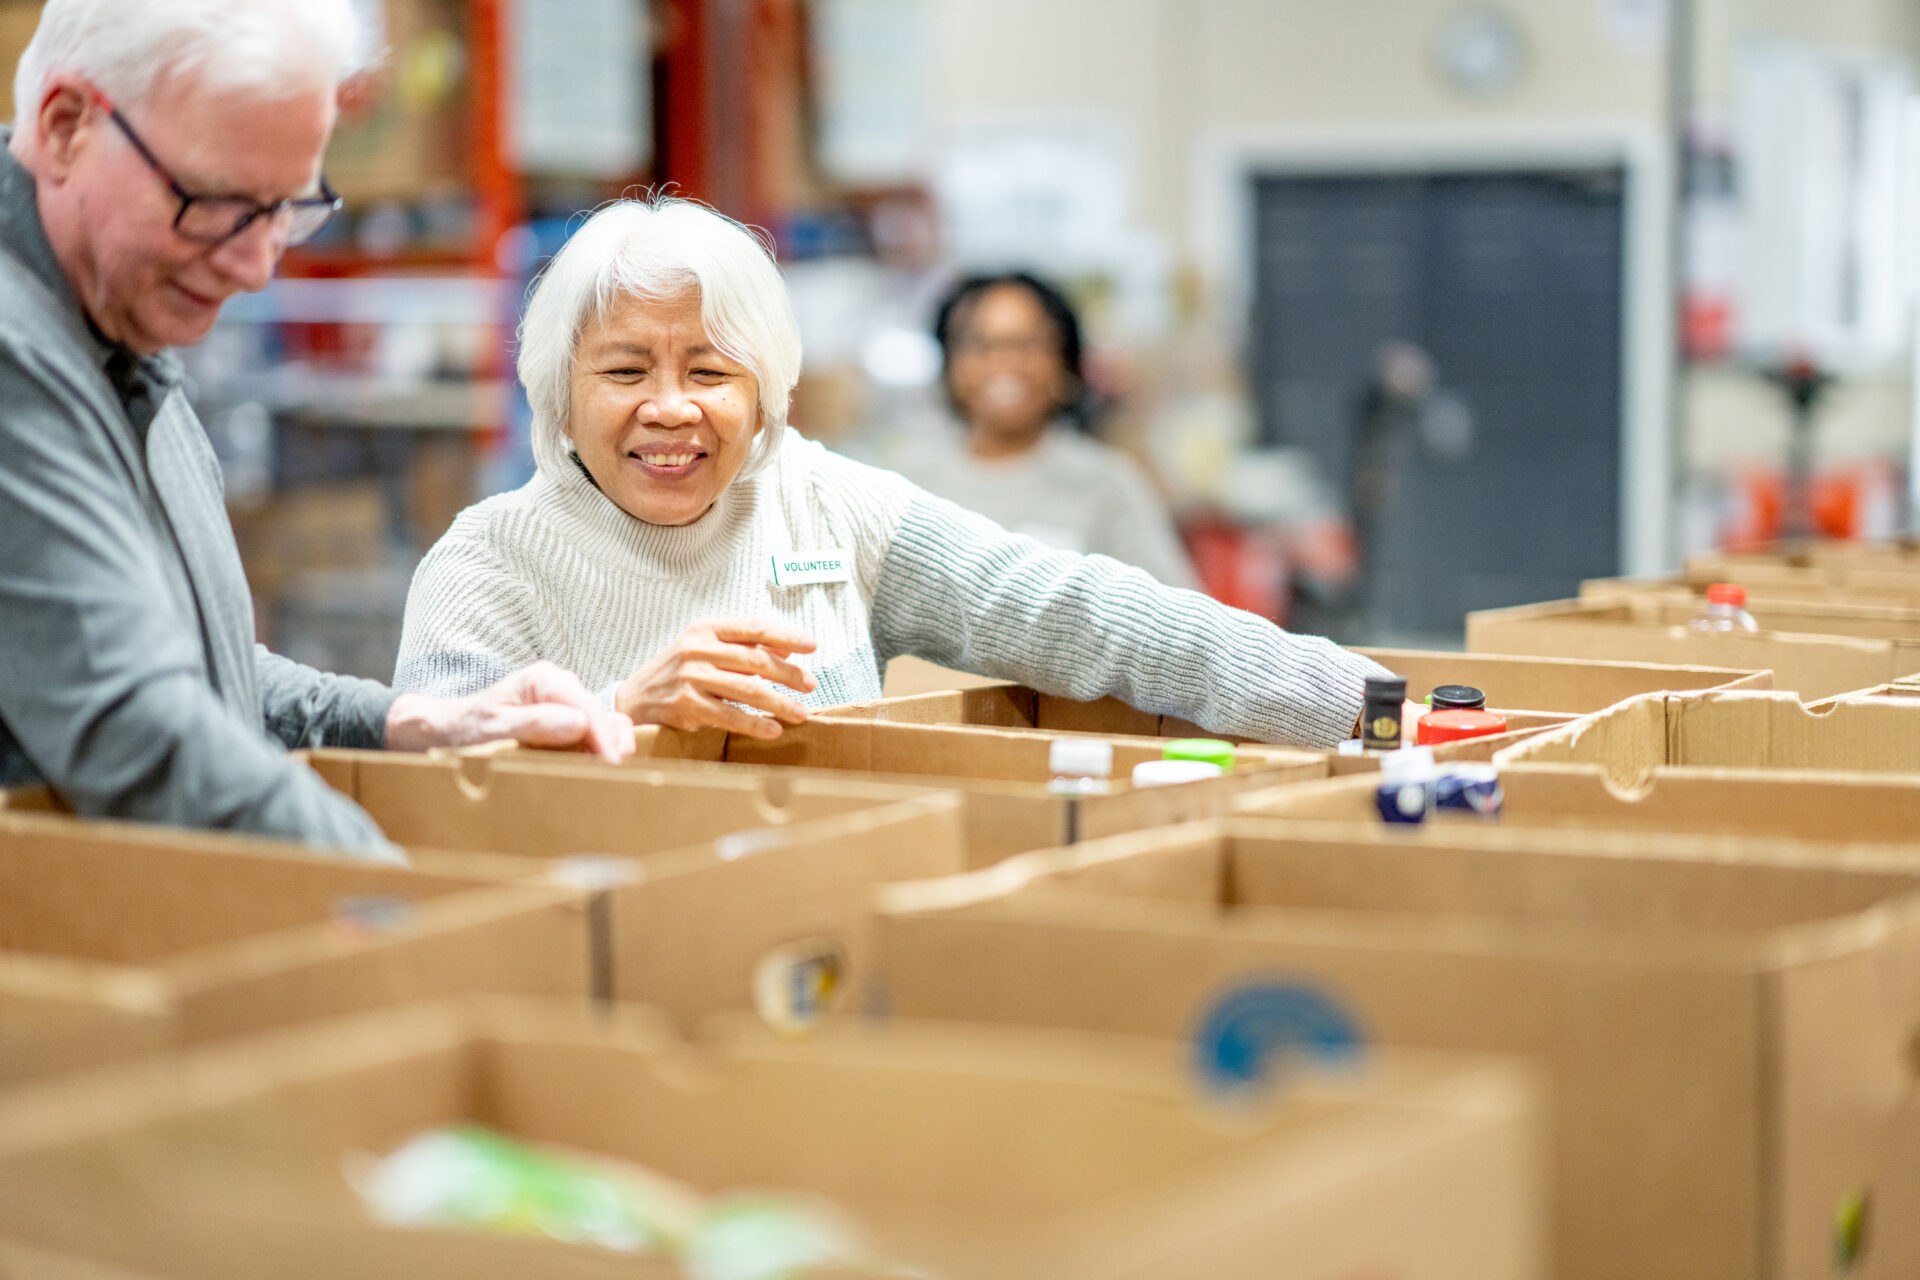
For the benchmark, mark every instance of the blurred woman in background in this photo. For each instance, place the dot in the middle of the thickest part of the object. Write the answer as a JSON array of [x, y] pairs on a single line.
[[1012, 371]]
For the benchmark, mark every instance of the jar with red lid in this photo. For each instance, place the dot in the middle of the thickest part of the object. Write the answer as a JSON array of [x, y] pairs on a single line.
[[1457, 723]]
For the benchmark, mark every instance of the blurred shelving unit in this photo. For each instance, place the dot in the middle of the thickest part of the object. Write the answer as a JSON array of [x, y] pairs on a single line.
[[367, 396]]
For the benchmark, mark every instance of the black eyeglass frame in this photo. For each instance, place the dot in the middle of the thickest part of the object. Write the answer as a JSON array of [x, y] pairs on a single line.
[[328, 198]]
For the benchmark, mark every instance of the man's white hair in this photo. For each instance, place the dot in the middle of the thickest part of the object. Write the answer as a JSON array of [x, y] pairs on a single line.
[[125, 47], [661, 248]]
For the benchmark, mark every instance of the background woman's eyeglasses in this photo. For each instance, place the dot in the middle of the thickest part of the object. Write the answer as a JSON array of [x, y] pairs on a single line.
[[212, 220]]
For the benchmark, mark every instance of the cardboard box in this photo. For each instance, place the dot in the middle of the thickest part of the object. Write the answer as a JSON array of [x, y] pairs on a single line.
[[116, 940], [1648, 629], [971, 1153], [1533, 693], [1726, 1039], [1893, 553], [492, 814], [334, 526], [908, 675], [446, 807], [1738, 730], [1770, 584], [1002, 773], [1857, 820]]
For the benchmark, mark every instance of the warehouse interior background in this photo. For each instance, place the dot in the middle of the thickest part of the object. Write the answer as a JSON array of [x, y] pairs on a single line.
[[1576, 267]]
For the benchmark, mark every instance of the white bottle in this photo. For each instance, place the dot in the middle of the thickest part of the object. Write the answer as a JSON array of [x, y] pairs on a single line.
[[1080, 766], [1726, 610], [1168, 773]]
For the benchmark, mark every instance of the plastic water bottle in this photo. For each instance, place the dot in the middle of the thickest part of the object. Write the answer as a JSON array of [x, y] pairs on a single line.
[[1726, 610]]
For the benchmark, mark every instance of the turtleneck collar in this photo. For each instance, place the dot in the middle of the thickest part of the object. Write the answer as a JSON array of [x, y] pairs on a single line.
[[595, 525]]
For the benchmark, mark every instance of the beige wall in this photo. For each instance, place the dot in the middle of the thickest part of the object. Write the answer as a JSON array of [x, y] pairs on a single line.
[[1174, 71]]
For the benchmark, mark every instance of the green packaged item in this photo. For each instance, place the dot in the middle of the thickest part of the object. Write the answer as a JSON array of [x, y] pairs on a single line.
[[1205, 750], [473, 1178]]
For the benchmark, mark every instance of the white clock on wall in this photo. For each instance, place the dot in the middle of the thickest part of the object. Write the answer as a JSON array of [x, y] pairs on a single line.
[[1481, 51]]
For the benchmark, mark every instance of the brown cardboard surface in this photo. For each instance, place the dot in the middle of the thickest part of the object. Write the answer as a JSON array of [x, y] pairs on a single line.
[[115, 940], [1739, 730], [1705, 1127], [974, 1152], [1647, 629], [1893, 1232], [1002, 773]]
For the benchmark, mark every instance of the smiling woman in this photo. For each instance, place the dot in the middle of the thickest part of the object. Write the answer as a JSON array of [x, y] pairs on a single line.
[[700, 564]]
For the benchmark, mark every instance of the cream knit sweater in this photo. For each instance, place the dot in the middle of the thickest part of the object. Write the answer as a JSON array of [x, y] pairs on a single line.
[[555, 570]]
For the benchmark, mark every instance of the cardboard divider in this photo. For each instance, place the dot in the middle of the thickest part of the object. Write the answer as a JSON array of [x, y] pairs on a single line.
[[967, 1151], [1726, 1038], [443, 807], [701, 935], [1908, 687], [1734, 731], [1001, 773], [1814, 664], [116, 940], [1856, 819]]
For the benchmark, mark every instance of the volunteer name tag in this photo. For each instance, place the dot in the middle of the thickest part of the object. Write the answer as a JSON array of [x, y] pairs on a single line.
[[802, 568]]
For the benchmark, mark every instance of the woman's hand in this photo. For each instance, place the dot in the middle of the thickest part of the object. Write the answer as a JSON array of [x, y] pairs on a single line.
[[540, 705], [695, 683]]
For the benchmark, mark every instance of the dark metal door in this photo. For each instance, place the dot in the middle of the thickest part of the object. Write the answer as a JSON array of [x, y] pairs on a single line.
[[1502, 486]]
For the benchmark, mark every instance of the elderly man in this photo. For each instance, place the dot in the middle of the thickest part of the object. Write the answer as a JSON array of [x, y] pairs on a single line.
[[165, 153]]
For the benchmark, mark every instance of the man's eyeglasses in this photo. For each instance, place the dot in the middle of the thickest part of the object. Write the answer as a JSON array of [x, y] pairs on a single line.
[[212, 220]]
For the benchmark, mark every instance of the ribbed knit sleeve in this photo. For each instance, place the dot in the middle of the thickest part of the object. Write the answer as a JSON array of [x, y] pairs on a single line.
[[470, 621], [958, 590]]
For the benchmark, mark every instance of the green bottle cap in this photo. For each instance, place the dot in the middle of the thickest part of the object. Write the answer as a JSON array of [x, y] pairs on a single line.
[[1206, 750]]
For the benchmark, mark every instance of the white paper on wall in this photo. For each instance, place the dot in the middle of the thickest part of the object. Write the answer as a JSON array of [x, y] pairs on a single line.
[[872, 56], [1820, 150], [580, 87]]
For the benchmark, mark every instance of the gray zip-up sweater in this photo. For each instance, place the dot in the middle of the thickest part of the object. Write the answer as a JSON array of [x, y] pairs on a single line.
[[129, 678]]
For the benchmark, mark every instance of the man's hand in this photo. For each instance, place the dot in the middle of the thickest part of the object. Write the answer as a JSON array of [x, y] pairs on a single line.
[[697, 682], [541, 705]]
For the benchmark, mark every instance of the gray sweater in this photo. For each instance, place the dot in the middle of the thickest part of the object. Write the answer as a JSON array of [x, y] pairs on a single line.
[[129, 678]]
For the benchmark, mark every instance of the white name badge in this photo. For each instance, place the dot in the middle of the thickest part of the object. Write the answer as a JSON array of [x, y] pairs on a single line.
[[802, 568]]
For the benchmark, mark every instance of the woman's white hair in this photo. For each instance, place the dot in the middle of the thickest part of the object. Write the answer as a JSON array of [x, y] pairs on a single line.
[[125, 47], [661, 248]]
